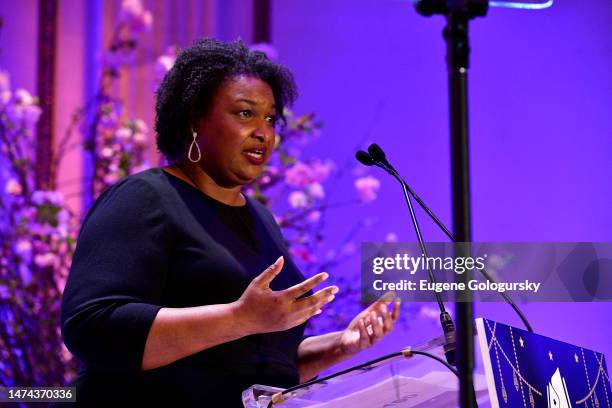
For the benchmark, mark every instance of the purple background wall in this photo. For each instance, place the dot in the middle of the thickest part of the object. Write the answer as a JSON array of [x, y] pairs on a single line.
[[540, 93], [541, 129]]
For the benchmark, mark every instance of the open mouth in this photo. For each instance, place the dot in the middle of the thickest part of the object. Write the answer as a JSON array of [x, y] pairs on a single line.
[[256, 155]]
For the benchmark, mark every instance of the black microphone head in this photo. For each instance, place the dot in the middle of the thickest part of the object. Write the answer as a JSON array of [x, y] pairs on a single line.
[[377, 153], [364, 158]]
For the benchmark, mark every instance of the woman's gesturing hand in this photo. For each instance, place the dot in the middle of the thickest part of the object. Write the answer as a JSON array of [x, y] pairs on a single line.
[[369, 326], [262, 310]]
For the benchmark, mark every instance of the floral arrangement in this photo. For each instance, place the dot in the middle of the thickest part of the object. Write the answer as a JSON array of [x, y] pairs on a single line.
[[37, 236], [38, 230]]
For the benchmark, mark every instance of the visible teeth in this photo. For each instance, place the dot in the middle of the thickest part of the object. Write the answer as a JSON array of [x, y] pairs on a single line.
[[255, 154]]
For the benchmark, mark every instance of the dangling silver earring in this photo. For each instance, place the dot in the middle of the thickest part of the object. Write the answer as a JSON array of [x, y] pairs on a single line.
[[194, 143]]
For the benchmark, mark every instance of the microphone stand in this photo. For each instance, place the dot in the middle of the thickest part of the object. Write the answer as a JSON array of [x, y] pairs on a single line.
[[446, 321], [458, 13]]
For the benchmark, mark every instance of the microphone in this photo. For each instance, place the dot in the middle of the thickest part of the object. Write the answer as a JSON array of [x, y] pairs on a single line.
[[376, 156], [378, 152], [364, 158]]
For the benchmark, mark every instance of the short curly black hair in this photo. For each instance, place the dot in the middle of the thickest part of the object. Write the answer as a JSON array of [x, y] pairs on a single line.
[[186, 91]]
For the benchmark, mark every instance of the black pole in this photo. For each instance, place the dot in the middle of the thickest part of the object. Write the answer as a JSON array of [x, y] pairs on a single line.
[[261, 21], [456, 36], [458, 13]]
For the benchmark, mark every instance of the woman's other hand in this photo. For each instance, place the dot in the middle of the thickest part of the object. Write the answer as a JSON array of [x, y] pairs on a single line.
[[369, 326], [262, 310]]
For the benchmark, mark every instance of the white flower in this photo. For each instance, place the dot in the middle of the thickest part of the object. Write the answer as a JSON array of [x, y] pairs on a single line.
[[367, 188], [140, 126], [124, 134], [13, 187], [107, 152], [298, 199], [23, 97]]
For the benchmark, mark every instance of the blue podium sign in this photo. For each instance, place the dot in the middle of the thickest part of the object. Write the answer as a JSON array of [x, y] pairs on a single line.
[[529, 370]]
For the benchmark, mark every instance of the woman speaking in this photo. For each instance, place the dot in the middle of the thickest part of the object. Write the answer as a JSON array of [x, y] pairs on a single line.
[[182, 290]]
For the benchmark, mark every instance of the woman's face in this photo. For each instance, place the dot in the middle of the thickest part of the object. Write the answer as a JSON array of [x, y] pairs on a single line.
[[237, 134]]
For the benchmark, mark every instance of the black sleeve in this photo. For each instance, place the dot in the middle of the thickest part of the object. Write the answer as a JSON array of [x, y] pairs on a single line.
[[117, 278]]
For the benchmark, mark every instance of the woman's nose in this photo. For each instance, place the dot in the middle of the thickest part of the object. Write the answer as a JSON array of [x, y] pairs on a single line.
[[263, 133]]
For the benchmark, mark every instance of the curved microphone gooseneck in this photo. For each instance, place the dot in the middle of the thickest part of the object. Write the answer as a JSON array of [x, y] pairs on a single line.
[[377, 157]]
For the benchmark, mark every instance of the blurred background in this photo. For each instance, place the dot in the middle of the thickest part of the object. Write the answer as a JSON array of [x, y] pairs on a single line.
[[77, 83]]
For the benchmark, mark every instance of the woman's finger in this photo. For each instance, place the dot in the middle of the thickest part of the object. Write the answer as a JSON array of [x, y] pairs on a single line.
[[377, 327], [387, 321], [264, 278], [317, 300], [396, 310], [298, 290], [364, 337]]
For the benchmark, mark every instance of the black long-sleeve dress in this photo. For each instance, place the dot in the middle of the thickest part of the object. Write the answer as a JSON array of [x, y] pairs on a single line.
[[155, 241]]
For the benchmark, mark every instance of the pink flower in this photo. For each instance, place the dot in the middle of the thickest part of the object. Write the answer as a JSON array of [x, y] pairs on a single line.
[[107, 152], [5, 81], [298, 175], [267, 49], [63, 217], [321, 170], [111, 178], [314, 216], [40, 197], [301, 174], [13, 187], [135, 16], [367, 188], [298, 199], [316, 190], [23, 248], [123, 134], [45, 260], [140, 138], [140, 126], [24, 109]]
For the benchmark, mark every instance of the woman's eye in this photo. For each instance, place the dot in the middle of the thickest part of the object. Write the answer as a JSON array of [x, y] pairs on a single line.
[[271, 119], [245, 114]]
